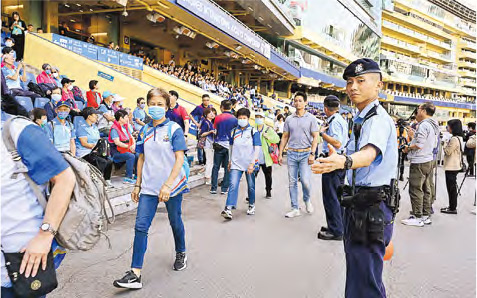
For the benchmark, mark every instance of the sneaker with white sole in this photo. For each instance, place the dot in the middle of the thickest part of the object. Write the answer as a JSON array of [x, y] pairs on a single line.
[[129, 281], [109, 184], [413, 221], [129, 181], [426, 220], [251, 210], [227, 213], [223, 192], [293, 213], [181, 261], [309, 207]]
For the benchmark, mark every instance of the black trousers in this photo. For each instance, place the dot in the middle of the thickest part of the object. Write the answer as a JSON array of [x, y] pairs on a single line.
[[101, 163], [280, 136], [267, 171], [470, 162], [451, 183], [402, 158], [19, 46]]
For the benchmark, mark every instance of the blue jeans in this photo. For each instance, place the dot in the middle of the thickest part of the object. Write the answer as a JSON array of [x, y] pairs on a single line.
[[145, 213], [201, 155], [221, 159], [232, 196], [333, 209], [130, 159], [298, 163], [364, 262]]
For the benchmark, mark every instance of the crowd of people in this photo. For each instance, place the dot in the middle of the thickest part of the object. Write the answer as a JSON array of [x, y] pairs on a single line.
[[432, 98], [154, 135]]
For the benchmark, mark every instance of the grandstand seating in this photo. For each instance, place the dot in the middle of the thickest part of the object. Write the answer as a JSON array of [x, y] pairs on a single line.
[[41, 102], [25, 102]]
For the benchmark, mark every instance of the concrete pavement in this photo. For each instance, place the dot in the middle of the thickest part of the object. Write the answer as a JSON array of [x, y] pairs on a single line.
[[267, 255]]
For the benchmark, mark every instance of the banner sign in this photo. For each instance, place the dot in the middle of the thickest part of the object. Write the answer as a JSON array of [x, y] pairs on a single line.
[[105, 76], [94, 52], [213, 14], [130, 61]]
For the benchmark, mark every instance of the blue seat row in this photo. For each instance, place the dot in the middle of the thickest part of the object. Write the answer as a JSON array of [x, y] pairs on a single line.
[[40, 102]]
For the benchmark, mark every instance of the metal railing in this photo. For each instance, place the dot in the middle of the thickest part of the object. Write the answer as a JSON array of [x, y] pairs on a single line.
[[416, 34]]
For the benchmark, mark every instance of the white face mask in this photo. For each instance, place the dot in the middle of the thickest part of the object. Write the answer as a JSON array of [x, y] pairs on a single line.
[[55, 97], [243, 122], [70, 87], [55, 74], [9, 44]]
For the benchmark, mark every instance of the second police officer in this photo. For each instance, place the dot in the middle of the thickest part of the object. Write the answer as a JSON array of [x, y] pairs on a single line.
[[371, 199], [335, 133]]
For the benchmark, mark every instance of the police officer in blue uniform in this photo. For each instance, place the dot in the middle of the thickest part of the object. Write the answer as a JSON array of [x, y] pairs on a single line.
[[335, 133], [371, 199]]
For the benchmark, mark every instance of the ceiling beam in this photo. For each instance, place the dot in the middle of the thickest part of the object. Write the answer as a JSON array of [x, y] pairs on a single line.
[[101, 11]]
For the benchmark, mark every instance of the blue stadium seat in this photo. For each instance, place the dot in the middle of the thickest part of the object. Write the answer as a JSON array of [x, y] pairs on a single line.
[[25, 102], [40, 102], [30, 78], [80, 105]]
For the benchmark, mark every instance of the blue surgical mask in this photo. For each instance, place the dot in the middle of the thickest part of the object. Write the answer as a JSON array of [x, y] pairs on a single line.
[[142, 106], [259, 121], [63, 115], [56, 97], [157, 113], [43, 122], [243, 122], [48, 71]]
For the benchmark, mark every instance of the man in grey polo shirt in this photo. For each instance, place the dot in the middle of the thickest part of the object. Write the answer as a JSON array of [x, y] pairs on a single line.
[[300, 132], [421, 156]]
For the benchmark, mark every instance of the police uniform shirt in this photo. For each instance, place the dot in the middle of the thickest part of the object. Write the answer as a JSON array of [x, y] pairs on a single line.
[[159, 157], [380, 132], [244, 143], [338, 130]]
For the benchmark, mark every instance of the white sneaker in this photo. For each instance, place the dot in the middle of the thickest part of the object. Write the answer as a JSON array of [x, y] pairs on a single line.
[[109, 184], [426, 220], [227, 214], [413, 221], [251, 210], [309, 207], [293, 213], [473, 211]]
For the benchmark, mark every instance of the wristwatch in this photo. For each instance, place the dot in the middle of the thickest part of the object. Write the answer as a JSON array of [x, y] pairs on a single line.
[[348, 162], [46, 227], [312, 153]]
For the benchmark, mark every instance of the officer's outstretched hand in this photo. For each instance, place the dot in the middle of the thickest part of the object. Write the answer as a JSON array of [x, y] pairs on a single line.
[[333, 162]]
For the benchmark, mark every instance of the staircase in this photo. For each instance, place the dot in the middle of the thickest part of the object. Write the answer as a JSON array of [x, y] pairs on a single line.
[[120, 195]]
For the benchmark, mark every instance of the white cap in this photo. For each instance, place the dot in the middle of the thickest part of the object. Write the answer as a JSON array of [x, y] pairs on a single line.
[[261, 114], [117, 97]]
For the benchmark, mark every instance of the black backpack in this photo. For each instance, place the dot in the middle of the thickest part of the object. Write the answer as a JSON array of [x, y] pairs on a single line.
[[101, 148], [33, 87]]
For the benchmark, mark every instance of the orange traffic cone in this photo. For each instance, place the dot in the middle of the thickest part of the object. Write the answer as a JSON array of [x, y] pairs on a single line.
[[389, 251]]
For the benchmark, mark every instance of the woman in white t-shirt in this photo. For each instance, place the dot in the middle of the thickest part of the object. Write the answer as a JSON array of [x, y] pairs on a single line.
[[279, 124], [161, 177]]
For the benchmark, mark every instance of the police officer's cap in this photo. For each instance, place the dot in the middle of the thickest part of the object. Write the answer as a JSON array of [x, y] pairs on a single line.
[[360, 67], [331, 101]]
